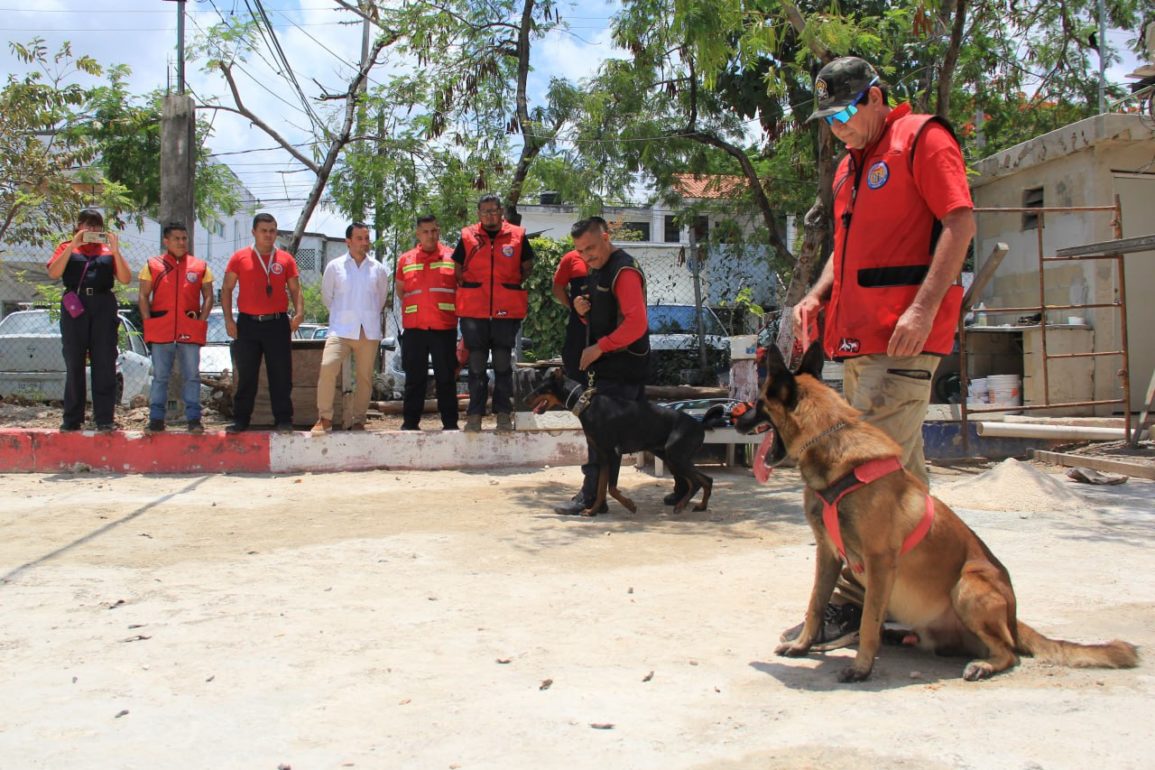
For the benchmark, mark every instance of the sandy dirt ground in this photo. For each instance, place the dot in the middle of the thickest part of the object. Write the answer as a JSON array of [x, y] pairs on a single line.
[[449, 620]]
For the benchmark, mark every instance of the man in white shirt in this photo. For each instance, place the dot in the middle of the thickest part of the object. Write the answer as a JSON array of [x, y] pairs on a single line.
[[354, 289]]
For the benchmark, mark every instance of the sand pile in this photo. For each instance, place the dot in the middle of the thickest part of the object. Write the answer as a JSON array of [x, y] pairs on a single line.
[[1011, 486]]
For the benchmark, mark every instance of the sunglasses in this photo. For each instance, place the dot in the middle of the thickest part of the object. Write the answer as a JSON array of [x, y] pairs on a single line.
[[849, 111]]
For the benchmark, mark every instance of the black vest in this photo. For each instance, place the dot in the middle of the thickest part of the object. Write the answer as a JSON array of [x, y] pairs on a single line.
[[632, 363]]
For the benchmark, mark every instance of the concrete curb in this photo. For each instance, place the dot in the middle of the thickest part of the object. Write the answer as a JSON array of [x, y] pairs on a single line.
[[258, 451]]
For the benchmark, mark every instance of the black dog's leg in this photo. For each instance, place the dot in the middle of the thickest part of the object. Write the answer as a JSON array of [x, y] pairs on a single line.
[[615, 469]]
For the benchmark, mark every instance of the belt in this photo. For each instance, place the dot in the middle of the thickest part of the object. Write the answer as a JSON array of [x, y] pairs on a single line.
[[88, 291], [265, 317]]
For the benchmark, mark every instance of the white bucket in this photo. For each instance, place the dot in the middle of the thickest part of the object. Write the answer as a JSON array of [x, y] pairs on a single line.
[[977, 391], [1005, 389]]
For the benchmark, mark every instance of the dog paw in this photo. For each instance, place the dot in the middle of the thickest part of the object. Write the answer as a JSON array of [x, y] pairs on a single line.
[[700, 507], [630, 505], [791, 650], [978, 669], [852, 674]]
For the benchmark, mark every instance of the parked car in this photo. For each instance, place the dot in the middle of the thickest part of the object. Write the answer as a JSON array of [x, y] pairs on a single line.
[[216, 357], [674, 344], [311, 332], [32, 365]]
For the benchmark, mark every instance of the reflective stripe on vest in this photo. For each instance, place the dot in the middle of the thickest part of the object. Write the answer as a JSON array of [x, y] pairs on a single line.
[[428, 289]]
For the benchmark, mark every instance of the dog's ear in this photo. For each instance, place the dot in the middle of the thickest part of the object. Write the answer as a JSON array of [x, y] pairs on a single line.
[[780, 384], [557, 374], [812, 361]]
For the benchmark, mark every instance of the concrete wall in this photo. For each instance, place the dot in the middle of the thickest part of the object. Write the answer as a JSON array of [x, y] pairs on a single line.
[[1075, 167]]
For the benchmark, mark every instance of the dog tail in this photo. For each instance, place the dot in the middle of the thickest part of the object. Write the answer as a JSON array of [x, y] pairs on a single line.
[[1113, 654]]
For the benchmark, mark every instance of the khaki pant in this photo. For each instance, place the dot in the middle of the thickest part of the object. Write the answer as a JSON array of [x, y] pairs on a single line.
[[893, 394], [337, 349]]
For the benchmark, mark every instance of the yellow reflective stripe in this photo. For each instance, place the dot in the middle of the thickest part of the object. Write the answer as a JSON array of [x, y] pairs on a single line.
[[411, 268], [410, 309], [447, 306], [443, 264]]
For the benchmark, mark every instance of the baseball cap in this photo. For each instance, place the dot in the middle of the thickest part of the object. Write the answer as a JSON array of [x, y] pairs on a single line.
[[839, 83]]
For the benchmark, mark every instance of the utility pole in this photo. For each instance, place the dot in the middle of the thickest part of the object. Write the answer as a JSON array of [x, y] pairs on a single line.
[[178, 146]]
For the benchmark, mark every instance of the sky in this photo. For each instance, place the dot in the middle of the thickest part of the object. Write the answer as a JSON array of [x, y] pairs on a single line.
[[322, 42]]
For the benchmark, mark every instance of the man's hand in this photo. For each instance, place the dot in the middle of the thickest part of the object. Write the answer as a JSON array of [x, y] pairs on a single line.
[[808, 304], [296, 321], [590, 354], [910, 333], [581, 304], [230, 326]]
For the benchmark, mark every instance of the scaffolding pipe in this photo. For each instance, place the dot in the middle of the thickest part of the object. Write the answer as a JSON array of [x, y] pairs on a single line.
[[1052, 432]]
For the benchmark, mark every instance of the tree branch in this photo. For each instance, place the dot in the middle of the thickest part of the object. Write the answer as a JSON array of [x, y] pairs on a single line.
[[244, 111]]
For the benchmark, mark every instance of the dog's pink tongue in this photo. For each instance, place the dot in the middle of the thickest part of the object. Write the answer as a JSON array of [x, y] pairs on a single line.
[[761, 469]]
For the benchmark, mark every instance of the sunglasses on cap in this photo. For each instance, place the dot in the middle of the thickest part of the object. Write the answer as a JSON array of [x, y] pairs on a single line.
[[849, 111]]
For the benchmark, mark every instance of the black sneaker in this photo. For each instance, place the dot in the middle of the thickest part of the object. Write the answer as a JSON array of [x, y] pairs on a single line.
[[155, 426], [196, 426], [105, 427], [576, 505], [236, 428], [410, 427], [839, 629], [283, 427], [70, 427]]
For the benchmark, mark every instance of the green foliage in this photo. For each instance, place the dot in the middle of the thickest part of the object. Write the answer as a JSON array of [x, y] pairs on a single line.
[[315, 310], [546, 320], [45, 172]]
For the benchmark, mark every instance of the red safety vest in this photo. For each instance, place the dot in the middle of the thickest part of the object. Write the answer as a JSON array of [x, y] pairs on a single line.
[[428, 288], [491, 275], [176, 291], [884, 238]]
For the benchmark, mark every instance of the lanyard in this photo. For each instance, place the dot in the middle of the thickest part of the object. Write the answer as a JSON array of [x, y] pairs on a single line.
[[267, 266]]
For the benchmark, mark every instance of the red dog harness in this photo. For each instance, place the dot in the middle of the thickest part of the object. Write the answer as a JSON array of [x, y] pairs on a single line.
[[856, 479]]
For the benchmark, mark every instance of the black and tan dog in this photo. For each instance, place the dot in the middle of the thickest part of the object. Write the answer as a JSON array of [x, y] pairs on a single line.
[[615, 426], [920, 564]]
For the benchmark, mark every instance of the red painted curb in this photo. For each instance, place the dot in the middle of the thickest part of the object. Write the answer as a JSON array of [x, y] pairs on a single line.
[[43, 451]]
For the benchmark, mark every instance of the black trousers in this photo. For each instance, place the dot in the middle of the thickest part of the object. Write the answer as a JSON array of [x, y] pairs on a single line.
[[418, 347], [482, 337], [572, 347], [92, 335], [591, 469], [271, 340]]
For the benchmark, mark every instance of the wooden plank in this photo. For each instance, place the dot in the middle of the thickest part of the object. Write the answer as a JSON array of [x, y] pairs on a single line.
[[1120, 246], [983, 276], [1107, 465]]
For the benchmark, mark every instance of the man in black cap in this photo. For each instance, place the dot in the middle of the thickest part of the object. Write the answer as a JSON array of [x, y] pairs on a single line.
[[903, 220]]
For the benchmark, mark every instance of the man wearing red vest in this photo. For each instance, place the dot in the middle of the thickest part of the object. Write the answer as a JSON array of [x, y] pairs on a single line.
[[427, 285], [176, 295], [903, 220], [493, 259]]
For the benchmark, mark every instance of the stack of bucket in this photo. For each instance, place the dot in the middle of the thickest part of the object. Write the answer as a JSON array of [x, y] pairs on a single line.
[[1002, 390]]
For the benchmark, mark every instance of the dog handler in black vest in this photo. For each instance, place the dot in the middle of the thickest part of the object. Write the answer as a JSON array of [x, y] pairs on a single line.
[[618, 355]]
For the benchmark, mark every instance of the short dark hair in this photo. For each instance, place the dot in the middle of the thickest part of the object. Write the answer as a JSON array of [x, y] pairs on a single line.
[[424, 218], [173, 225], [355, 226], [90, 217], [264, 216], [584, 226], [489, 198]]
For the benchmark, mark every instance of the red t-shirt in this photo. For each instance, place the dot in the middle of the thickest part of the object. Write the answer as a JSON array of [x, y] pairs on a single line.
[[262, 292], [571, 266], [632, 304]]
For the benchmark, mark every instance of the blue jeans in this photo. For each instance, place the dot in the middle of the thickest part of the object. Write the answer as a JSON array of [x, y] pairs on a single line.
[[163, 356]]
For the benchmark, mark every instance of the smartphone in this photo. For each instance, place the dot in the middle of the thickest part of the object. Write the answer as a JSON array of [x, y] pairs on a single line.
[[93, 237]]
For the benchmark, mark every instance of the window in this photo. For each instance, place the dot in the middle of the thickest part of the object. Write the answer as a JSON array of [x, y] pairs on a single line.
[[1032, 198], [637, 231], [673, 232], [701, 228]]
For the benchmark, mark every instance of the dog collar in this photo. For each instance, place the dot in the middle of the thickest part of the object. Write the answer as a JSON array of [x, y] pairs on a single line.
[[582, 402], [832, 429]]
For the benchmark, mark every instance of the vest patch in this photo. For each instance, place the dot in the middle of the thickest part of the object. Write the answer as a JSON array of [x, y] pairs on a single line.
[[190, 276], [878, 176], [507, 250], [276, 268]]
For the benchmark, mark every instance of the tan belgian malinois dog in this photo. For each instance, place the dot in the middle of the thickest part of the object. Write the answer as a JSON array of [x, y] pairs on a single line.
[[920, 564]]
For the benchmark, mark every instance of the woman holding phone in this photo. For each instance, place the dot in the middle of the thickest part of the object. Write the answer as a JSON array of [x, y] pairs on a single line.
[[89, 265]]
